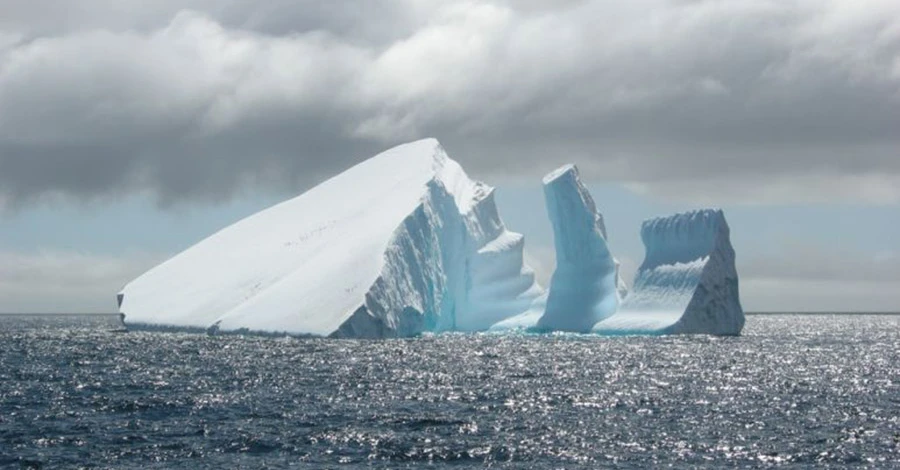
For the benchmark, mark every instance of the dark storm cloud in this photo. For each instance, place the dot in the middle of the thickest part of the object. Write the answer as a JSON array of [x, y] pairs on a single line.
[[370, 21], [741, 100]]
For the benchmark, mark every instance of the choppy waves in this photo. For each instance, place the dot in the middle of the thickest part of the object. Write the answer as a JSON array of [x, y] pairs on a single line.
[[816, 391]]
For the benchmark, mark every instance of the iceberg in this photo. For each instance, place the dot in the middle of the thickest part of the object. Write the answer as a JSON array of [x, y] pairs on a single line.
[[400, 244], [687, 283], [585, 287]]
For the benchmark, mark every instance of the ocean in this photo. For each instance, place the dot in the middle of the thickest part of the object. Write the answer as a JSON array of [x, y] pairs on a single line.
[[801, 391]]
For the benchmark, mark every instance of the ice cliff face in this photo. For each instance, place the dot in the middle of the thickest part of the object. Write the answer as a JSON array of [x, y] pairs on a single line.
[[402, 243], [687, 283], [585, 287]]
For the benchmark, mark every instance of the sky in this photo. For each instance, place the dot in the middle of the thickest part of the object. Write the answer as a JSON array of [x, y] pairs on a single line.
[[130, 130]]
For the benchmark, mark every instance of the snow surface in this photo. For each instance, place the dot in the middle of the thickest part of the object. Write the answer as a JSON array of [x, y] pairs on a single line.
[[687, 283], [585, 287], [399, 244]]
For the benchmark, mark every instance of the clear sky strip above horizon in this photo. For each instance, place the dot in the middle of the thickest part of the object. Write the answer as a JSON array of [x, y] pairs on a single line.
[[65, 258]]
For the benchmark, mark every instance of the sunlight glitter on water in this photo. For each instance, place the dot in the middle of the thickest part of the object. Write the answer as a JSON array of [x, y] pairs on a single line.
[[814, 391]]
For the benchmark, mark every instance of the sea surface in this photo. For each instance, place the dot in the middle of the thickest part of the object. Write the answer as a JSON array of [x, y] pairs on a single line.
[[800, 391]]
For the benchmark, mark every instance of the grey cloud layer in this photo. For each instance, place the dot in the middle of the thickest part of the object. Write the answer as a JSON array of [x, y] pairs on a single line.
[[772, 100]]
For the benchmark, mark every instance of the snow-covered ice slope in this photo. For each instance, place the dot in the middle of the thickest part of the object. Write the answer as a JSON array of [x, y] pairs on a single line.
[[399, 244], [585, 287], [688, 282]]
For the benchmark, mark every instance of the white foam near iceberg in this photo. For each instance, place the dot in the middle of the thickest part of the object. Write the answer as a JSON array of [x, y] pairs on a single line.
[[687, 283], [397, 245]]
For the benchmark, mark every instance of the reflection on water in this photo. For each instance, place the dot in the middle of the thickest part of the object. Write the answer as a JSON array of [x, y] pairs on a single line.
[[812, 390]]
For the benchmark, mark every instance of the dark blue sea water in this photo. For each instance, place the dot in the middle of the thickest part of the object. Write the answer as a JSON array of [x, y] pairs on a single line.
[[803, 391]]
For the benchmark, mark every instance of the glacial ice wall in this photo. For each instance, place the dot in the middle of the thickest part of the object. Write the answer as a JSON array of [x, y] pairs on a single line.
[[585, 287], [402, 243], [687, 283]]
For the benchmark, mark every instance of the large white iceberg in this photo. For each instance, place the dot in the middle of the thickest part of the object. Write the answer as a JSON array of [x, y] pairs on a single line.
[[585, 287], [397, 245], [687, 283]]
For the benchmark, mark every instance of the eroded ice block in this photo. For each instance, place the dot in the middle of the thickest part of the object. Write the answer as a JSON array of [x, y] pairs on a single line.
[[687, 283], [585, 287], [397, 245]]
